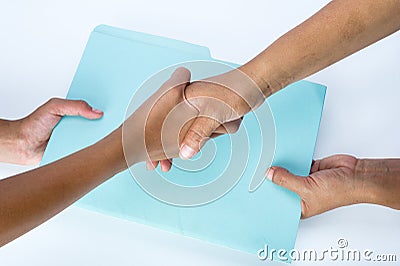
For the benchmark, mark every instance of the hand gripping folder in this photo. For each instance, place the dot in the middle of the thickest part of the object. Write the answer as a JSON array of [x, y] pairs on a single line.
[[114, 65]]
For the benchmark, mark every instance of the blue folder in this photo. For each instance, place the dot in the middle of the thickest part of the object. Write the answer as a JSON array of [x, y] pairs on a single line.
[[283, 132]]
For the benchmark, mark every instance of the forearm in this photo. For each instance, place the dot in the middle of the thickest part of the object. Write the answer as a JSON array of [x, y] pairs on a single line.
[[29, 199], [381, 181], [339, 29]]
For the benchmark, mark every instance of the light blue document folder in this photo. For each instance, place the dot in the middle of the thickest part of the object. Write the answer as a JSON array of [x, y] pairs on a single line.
[[115, 63]]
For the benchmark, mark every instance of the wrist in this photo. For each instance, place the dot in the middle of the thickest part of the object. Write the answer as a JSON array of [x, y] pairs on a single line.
[[380, 179], [11, 141], [133, 139], [234, 93], [112, 149], [267, 77]]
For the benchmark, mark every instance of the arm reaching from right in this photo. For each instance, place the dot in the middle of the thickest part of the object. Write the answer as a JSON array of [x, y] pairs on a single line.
[[339, 29], [342, 180]]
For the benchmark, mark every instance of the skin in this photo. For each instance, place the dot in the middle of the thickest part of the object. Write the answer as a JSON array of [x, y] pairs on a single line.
[[24, 141], [338, 30], [29, 199], [342, 180]]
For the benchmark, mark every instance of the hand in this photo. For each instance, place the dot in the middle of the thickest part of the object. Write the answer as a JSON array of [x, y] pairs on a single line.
[[153, 132], [226, 128], [332, 183], [216, 116], [221, 100], [33, 131], [342, 180]]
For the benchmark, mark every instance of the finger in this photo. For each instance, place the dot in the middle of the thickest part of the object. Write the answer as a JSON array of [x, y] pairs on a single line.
[[214, 135], [151, 165], [198, 133], [284, 178], [178, 80], [336, 161], [165, 165], [315, 166], [170, 93], [181, 74], [229, 127], [62, 107]]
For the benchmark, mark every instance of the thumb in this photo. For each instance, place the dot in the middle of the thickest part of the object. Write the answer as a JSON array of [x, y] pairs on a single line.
[[198, 133], [63, 107], [284, 178]]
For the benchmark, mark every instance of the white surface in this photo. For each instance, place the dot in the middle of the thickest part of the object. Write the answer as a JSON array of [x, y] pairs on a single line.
[[42, 42]]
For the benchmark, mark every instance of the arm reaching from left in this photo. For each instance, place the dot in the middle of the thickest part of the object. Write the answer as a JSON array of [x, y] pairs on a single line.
[[29, 199], [24, 141]]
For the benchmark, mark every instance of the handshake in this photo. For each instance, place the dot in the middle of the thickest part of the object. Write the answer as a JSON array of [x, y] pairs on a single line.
[[181, 116], [175, 121]]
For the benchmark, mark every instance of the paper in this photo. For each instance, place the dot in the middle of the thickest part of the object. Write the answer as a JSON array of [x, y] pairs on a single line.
[[115, 63]]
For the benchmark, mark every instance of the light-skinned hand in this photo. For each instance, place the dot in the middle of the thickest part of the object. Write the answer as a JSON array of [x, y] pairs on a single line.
[[29, 136]]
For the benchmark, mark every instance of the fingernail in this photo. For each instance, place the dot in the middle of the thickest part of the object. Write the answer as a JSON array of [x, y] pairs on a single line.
[[270, 173], [186, 152], [97, 111], [149, 166]]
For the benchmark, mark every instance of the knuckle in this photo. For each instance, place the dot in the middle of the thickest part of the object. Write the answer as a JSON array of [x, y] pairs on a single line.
[[281, 180], [280, 177], [53, 101], [82, 103], [195, 135], [196, 138]]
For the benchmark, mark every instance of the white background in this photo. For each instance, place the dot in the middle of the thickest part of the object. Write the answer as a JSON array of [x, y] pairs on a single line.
[[40, 47]]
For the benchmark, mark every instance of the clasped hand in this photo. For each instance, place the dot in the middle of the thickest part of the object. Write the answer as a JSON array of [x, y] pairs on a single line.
[[181, 116]]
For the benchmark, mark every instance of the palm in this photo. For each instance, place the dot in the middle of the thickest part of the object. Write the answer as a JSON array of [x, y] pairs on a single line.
[[36, 129]]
